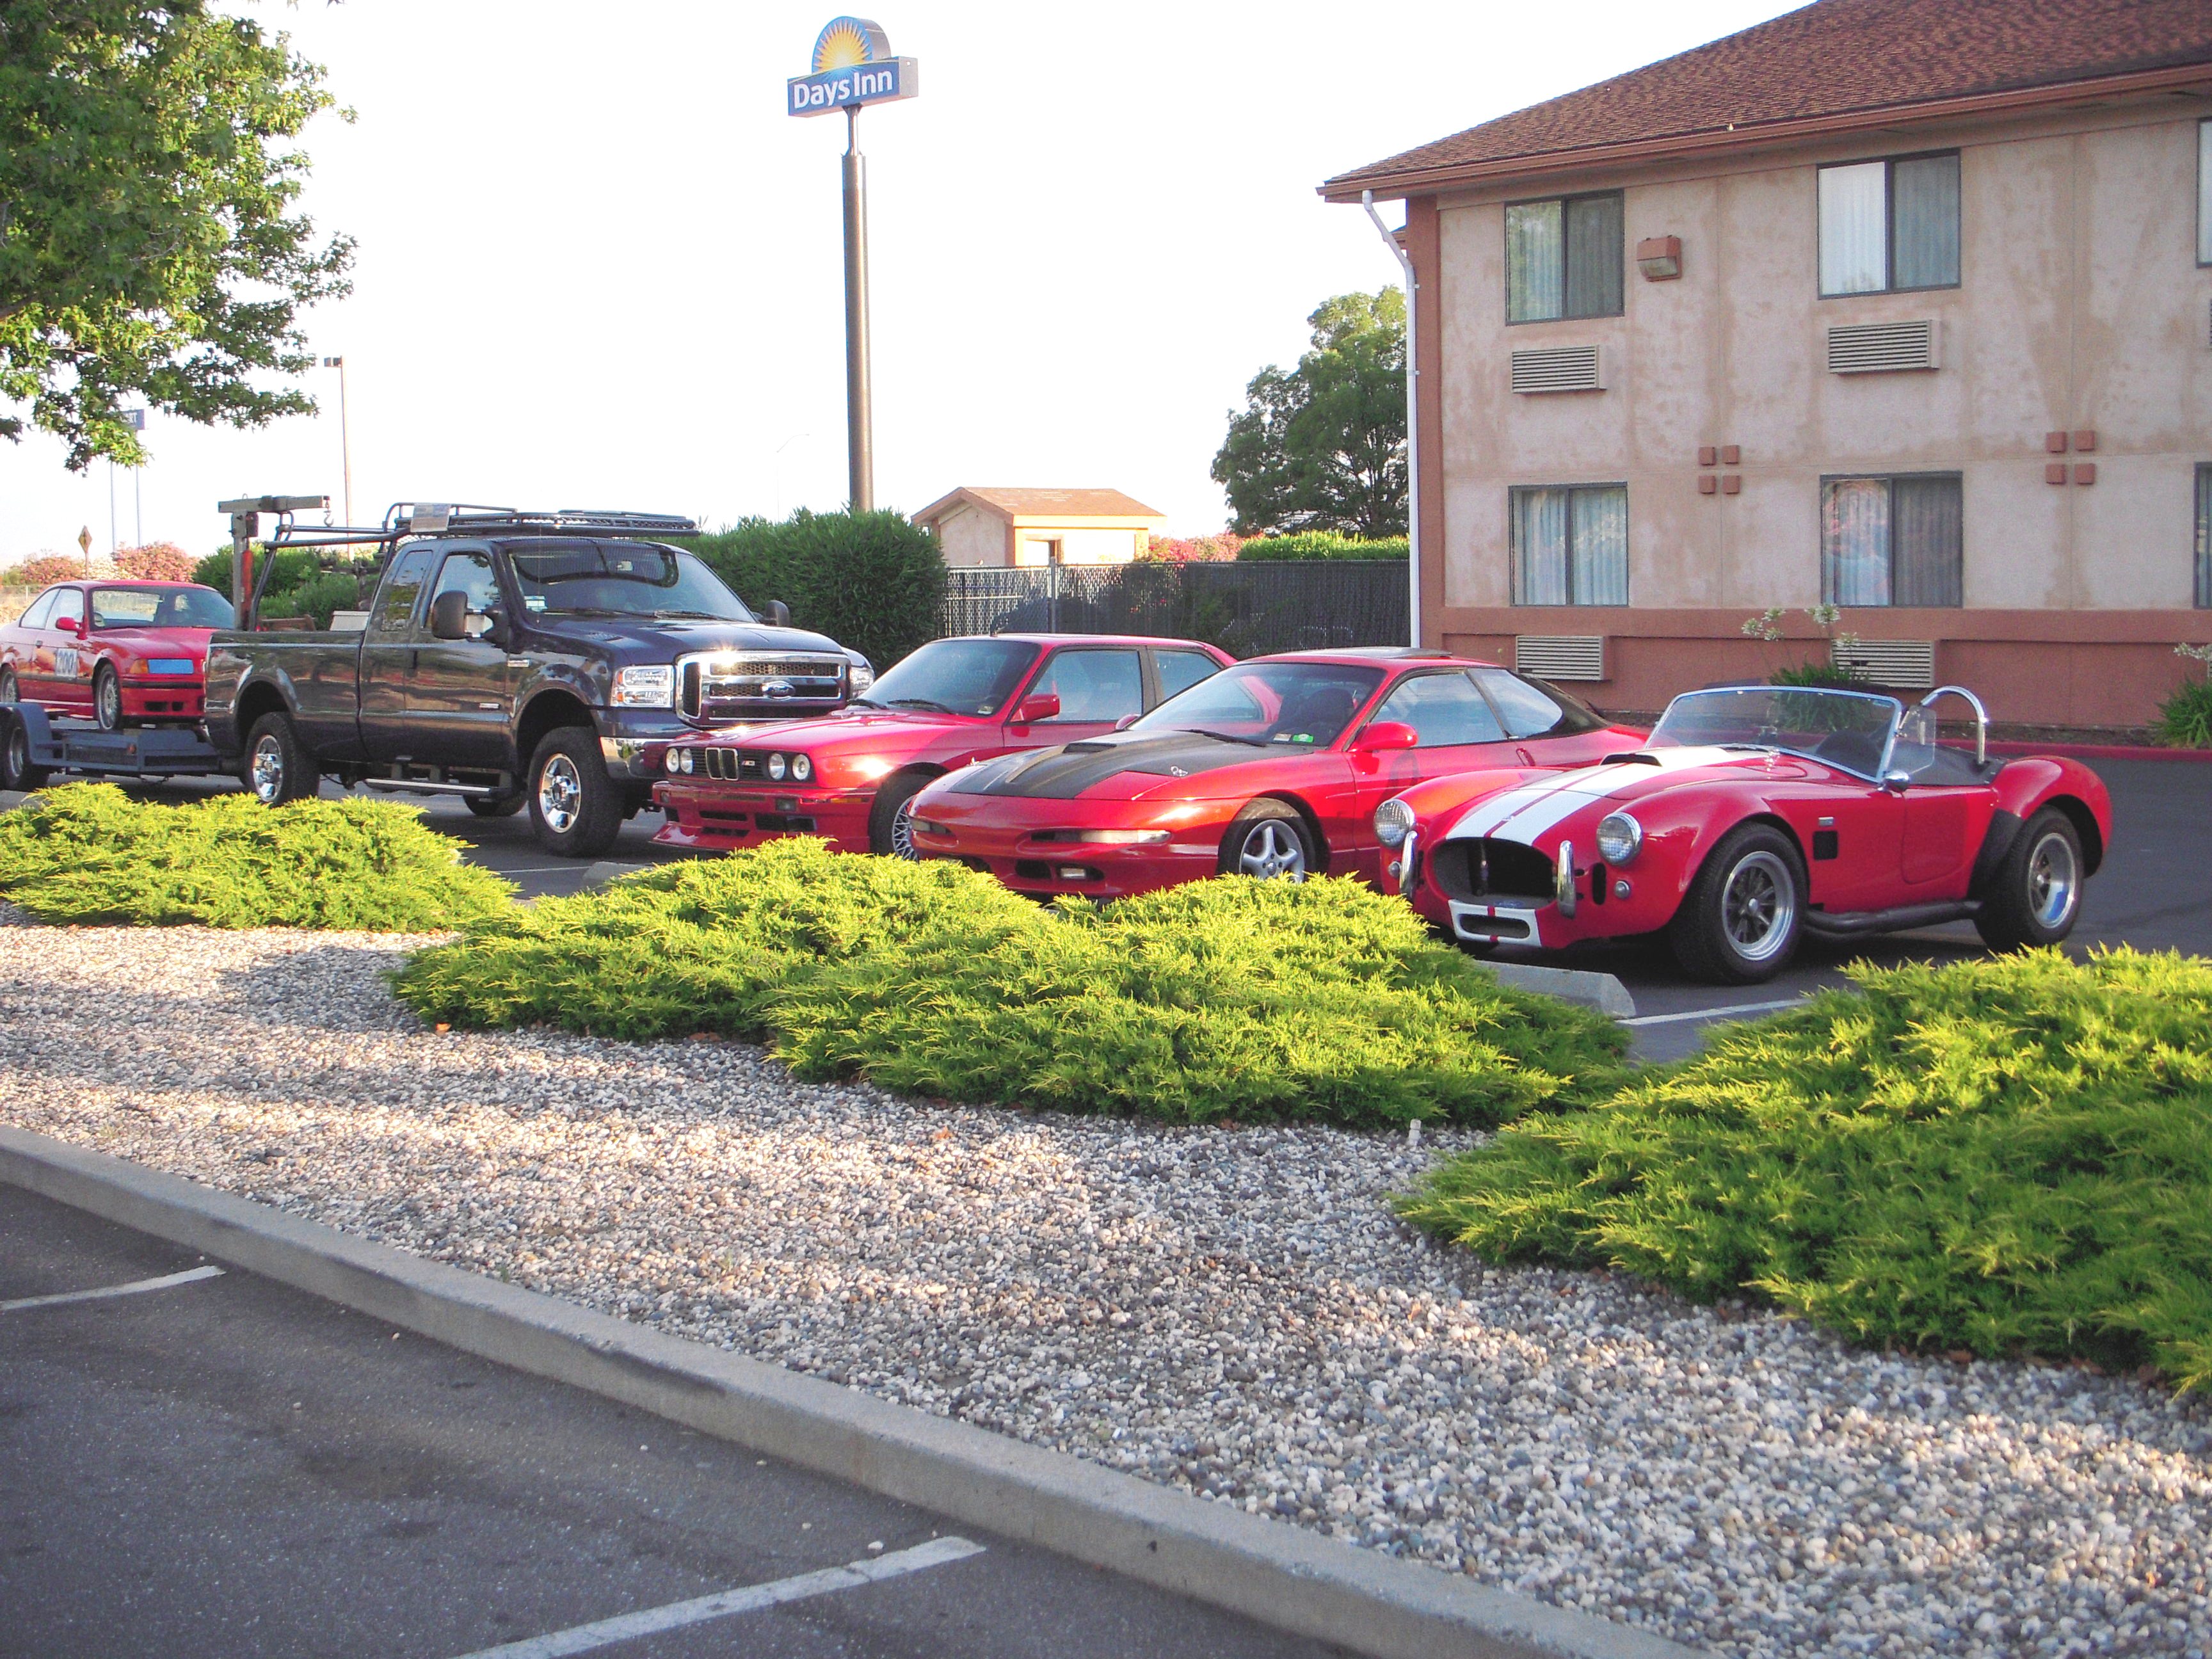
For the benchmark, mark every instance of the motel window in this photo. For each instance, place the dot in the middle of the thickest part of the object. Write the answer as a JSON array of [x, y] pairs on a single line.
[[1562, 258], [1569, 544], [1889, 225], [2204, 536], [1895, 541], [2203, 196]]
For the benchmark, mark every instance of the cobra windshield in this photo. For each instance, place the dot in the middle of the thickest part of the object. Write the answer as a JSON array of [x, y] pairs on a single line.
[[1307, 704], [1848, 729]]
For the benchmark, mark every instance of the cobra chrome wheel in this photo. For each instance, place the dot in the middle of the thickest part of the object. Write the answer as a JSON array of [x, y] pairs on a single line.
[[2054, 880], [1758, 904]]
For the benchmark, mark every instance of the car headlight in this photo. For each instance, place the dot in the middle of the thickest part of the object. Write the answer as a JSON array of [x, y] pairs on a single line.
[[652, 687], [802, 768], [777, 766], [674, 761], [1123, 837], [1619, 837], [1394, 822], [860, 677]]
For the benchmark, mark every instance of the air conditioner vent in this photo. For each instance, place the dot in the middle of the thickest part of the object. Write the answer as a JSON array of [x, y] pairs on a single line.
[[1559, 368], [1902, 664], [1560, 656], [1882, 347]]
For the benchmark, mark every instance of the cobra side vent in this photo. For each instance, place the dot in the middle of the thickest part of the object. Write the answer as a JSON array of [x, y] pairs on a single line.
[[1560, 656], [1559, 368], [1902, 664], [1885, 348]]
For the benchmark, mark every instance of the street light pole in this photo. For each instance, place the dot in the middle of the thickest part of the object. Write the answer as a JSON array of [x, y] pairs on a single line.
[[859, 438], [345, 432]]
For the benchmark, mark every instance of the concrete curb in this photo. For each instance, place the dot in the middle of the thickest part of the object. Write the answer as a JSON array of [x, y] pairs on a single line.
[[1282, 1576], [1603, 991]]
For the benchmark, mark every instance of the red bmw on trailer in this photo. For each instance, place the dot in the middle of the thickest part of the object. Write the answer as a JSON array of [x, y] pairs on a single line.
[[1274, 768], [124, 652], [849, 777]]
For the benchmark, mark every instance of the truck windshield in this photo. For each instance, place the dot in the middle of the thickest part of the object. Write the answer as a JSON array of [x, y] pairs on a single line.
[[160, 607], [622, 578]]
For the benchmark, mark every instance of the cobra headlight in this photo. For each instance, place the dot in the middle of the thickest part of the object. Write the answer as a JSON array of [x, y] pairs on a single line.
[[777, 766], [1394, 822], [1619, 838], [802, 768]]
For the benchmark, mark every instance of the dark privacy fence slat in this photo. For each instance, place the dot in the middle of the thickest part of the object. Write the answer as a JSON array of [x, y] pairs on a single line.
[[1246, 609]]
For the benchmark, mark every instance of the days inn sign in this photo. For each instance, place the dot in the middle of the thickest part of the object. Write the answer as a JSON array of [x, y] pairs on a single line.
[[852, 66]]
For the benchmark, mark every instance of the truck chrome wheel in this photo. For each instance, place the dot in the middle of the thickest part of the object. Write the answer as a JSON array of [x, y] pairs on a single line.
[[2054, 881], [1759, 903], [1271, 850], [560, 794], [269, 770]]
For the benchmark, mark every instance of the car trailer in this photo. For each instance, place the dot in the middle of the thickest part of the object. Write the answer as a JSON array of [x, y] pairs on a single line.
[[34, 745]]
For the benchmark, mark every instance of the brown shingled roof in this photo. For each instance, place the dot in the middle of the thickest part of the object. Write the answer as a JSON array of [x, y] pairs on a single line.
[[1827, 62], [1050, 503]]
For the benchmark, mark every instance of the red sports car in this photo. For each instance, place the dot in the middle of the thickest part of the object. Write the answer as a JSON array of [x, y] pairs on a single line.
[[125, 652], [1756, 815], [849, 777], [1274, 768]]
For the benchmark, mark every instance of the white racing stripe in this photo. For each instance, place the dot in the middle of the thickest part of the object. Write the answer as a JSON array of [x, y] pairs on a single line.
[[629, 1626], [1527, 812], [136, 1287]]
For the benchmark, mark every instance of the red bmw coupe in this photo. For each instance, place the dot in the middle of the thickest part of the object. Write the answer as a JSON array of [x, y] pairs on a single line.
[[1272, 768], [849, 777], [125, 652], [1755, 816]]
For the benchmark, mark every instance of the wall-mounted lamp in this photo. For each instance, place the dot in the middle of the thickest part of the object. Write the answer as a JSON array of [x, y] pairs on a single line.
[[1659, 258]]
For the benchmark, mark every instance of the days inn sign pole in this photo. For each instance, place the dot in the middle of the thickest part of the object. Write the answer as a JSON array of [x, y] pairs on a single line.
[[854, 68]]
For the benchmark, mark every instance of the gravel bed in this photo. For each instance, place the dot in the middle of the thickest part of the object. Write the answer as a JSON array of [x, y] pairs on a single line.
[[1232, 1312]]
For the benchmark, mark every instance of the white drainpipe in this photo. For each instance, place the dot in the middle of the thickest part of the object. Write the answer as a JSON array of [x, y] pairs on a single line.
[[1412, 414]]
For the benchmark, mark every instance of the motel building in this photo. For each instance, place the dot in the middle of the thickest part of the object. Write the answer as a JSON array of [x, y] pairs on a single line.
[[978, 525], [1901, 305]]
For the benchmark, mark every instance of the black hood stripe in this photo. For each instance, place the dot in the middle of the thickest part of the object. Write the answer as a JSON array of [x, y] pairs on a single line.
[[1064, 773]]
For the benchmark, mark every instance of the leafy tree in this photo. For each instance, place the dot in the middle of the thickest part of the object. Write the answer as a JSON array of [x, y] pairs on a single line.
[[148, 244], [1322, 446]]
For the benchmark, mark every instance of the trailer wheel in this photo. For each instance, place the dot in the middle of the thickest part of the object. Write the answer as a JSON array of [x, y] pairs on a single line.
[[17, 771], [276, 771]]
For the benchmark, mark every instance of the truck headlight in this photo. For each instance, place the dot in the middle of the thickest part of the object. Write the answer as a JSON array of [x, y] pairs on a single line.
[[776, 767], [644, 687], [860, 678], [1619, 837], [1393, 821], [801, 768]]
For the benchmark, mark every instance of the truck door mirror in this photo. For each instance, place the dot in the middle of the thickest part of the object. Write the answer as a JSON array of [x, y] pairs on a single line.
[[449, 616], [495, 630], [778, 614]]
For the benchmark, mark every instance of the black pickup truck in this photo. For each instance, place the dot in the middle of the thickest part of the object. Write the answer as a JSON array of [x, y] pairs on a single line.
[[514, 660]]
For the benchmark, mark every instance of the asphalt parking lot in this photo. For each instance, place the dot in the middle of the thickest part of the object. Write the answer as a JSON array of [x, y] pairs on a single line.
[[2155, 891], [222, 1468]]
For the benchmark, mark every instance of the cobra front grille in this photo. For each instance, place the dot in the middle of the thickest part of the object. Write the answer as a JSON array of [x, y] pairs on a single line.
[[1882, 347], [1482, 867], [708, 686]]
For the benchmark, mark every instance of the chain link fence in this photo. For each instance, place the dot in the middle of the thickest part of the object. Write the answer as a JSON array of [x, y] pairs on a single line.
[[1249, 610]]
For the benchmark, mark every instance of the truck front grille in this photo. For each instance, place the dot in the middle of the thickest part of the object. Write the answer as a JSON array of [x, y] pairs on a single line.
[[727, 686]]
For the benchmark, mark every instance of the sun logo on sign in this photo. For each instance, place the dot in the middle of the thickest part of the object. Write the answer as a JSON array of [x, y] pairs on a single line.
[[848, 41]]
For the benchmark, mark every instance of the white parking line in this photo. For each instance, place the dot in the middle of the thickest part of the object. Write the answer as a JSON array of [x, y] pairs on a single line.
[[631, 1625], [132, 1289], [1714, 1014]]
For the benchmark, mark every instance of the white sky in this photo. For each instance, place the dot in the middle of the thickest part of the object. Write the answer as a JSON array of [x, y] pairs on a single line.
[[599, 267]]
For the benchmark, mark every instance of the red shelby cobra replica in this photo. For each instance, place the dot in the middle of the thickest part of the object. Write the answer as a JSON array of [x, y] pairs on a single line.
[[1274, 768], [1754, 816], [849, 777], [125, 652]]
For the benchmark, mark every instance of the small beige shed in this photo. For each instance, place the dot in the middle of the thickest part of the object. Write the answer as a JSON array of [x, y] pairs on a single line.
[[1002, 527]]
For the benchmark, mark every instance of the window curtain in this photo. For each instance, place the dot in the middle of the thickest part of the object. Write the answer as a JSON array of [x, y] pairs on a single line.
[[1534, 257], [1925, 221], [1599, 568], [1855, 541], [1594, 257], [1540, 546], [1854, 246], [1927, 541]]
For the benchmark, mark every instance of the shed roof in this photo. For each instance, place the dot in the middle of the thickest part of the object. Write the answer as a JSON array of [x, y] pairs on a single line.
[[1029, 503], [1829, 66]]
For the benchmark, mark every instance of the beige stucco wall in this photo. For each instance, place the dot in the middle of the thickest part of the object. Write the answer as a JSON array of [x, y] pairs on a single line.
[[2080, 305], [972, 538]]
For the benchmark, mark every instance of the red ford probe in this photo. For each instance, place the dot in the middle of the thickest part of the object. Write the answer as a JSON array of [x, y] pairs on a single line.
[[849, 776], [1272, 768], [125, 652], [1757, 815]]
